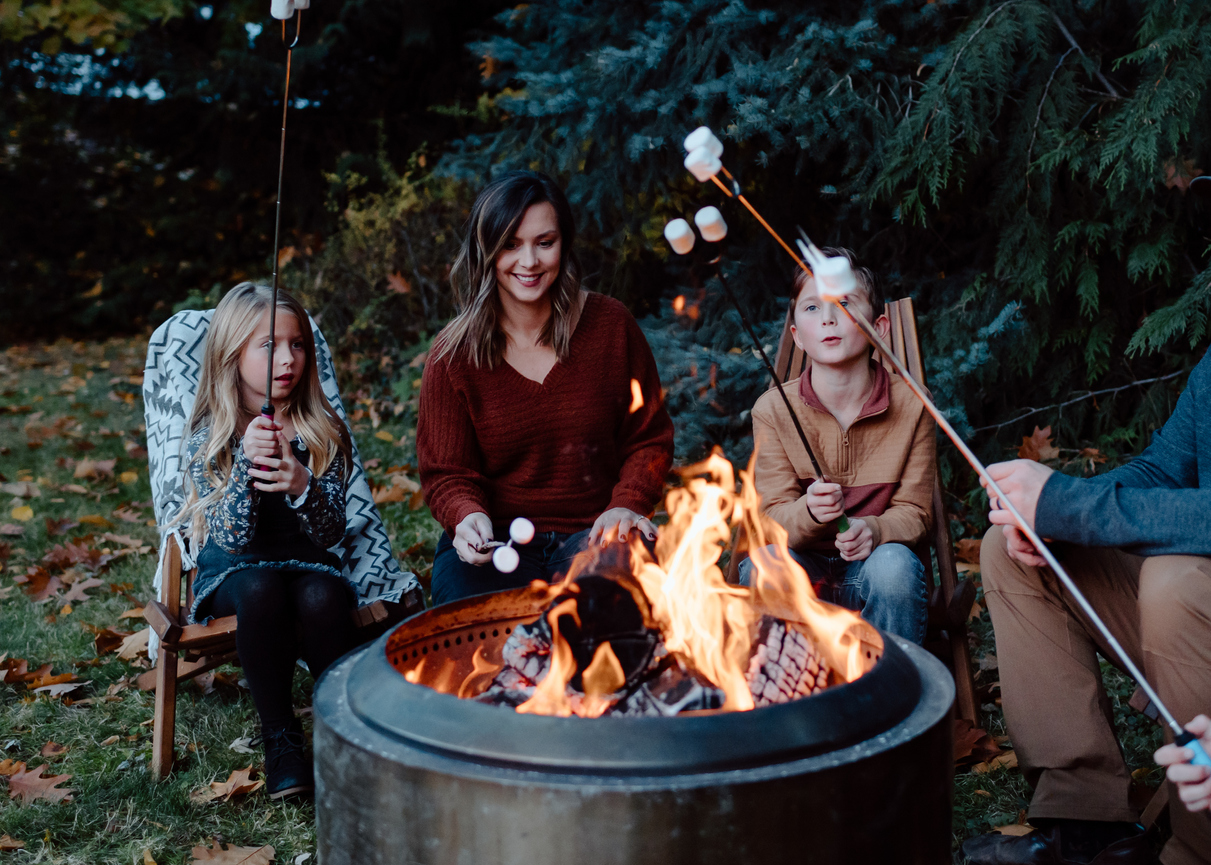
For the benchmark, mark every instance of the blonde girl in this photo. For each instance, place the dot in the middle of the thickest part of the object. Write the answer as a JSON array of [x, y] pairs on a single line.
[[265, 501]]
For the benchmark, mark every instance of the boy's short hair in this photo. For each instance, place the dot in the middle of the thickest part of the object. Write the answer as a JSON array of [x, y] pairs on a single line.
[[865, 276]]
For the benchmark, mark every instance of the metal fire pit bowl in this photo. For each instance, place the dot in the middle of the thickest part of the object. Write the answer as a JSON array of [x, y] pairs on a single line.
[[860, 772]]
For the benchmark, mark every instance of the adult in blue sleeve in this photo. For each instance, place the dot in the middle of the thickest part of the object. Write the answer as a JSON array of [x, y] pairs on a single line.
[[1137, 541]]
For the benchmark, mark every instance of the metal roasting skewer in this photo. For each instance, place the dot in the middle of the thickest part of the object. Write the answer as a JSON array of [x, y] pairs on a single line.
[[1182, 737]]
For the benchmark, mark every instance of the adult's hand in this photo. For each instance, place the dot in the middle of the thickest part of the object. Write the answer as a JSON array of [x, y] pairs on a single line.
[[824, 501], [1022, 483], [1020, 548], [857, 543], [621, 520], [1193, 782], [473, 532]]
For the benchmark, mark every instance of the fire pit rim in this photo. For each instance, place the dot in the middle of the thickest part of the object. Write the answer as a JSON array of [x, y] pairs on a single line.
[[464, 729]]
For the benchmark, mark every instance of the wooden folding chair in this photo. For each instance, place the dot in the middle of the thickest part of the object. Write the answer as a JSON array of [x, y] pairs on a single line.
[[951, 600]]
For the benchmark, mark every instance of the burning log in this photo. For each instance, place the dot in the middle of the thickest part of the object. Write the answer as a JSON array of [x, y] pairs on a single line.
[[785, 666]]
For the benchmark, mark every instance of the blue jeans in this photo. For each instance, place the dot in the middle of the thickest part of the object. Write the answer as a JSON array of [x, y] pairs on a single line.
[[888, 588], [544, 558]]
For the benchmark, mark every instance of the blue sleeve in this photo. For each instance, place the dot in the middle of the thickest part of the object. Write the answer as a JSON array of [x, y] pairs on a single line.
[[1153, 505]]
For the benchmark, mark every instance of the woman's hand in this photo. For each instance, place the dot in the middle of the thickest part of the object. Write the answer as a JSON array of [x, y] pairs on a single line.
[[620, 520], [858, 542], [472, 533], [824, 501], [261, 440], [1193, 782], [282, 474]]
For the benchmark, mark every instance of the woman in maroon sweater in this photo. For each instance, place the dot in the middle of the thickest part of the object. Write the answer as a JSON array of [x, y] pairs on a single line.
[[540, 400]]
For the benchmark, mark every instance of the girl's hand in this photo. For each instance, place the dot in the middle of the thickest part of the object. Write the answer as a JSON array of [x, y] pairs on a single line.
[[620, 520], [858, 543], [282, 474], [1193, 782], [261, 440], [472, 533], [824, 501]]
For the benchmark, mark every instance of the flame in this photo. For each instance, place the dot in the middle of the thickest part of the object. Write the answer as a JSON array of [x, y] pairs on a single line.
[[414, 674], [551, 695], [602, 678], [481, 675], [636, 396]]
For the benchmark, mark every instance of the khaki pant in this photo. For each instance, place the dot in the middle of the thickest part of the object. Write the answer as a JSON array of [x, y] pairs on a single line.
[[1058, 713]]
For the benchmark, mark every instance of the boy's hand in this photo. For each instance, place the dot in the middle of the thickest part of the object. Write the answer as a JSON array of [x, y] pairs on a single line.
[[261, 440], [284, 475], [824, 501], [858, 543], [1193, 782]]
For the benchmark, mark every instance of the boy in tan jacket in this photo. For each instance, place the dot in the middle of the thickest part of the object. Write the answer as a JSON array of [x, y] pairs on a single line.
[[876, 445]]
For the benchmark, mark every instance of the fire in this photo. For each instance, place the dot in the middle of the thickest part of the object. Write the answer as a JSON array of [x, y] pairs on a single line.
[[551, 696]]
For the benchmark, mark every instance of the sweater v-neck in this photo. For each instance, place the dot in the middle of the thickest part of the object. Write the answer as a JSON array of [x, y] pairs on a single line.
[[556, 371]]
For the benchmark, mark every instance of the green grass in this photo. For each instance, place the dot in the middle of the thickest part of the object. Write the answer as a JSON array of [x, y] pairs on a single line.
[[118, 812]]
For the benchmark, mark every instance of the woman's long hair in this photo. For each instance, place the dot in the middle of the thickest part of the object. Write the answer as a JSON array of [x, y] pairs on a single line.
[[220, 401], [475, 332]]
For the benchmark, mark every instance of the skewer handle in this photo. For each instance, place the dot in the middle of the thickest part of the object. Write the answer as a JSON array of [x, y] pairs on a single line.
[[1191, 741]]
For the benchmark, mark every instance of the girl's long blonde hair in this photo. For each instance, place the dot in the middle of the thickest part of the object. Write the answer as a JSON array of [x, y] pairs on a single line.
[[475, 332], [220, 401]]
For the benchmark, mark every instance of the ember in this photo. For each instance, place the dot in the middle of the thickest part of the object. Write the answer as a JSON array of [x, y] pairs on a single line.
[[628, 633]]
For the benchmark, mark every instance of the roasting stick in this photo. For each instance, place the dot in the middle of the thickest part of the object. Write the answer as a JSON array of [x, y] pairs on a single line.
[[712, 227], [829, 294], [282, 10]]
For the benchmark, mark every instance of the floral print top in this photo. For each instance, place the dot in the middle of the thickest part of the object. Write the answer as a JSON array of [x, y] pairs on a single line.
[[232, 520]]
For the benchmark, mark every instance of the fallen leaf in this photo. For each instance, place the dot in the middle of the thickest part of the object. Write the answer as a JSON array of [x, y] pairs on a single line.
[[23, 513], [38, 584], [74, 488], [124, 540], [222, 854], [11, 767], [125, 514], [78, 589], [147, 860], [96, 520], [136, 613], [205, 682], [55, 528], [22, 489], [988, 662], [30, 786], [11, 530], [983, 793], [111, 740], [397, 283], [1008, 760], [968, 550], [239, 783], [243, 745], [128, 477], [58, 690], [383, 435], [77, 552], [53, 749], [1014, 829], [95, 469], [7, 843], [109, 640], [972, 744], [1038, 446], [385, 495], [134, 645]]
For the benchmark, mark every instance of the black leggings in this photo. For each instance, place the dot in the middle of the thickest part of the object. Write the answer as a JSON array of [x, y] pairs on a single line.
[[274, 609]]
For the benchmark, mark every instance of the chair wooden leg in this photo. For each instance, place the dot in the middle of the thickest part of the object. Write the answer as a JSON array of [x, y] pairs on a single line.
[[965, 692], [166, 714]]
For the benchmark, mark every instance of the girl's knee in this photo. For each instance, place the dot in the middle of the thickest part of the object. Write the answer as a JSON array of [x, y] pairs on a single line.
[[320, 595], [257, 592]]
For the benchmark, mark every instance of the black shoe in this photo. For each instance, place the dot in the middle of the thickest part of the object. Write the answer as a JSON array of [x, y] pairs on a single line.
[[287, 769], [1063, 842]]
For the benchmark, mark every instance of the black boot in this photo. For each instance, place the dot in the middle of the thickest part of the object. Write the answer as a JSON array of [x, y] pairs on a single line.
[[287, 769]]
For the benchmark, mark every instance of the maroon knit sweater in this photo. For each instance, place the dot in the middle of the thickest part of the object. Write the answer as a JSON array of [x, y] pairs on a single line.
[[558, 453]]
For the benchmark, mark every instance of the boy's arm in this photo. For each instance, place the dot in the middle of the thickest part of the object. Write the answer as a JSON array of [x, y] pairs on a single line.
[[779, 485], [909, 516]]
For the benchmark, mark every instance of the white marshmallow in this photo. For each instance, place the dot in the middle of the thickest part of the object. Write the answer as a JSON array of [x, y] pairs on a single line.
[[680, 236], [281, 9], [300, 4], [703, 137], [710, 224], [834, 278], [703, 164], [505, 559], [521, 531]]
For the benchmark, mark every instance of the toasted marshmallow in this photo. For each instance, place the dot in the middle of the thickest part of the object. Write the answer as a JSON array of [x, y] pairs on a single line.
[[710, 224], [680, 236]]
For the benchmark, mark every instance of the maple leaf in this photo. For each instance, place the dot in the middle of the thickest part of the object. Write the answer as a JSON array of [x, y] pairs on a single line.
[[397, 283], [239, 783], [134, 645], [1038, 447], [223, 854], [30, 786], [1093, 456], [78, 589], [53, 749], [1179, 174]]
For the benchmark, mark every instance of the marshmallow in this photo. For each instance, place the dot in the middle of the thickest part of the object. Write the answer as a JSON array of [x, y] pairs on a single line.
[[505, 559], [703, 164], [703, 137], [281, 9], [301, 4], [521, 531], [680, 236], [710, 224], [834, 278]]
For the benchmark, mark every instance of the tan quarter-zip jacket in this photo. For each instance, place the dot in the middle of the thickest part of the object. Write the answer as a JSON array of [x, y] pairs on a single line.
[[885, 462]]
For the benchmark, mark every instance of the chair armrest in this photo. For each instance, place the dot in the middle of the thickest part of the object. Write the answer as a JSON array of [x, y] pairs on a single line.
[[167, 628]]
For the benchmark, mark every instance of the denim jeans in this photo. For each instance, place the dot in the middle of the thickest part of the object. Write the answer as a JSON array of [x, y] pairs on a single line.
[[544, 558], [888, 588]]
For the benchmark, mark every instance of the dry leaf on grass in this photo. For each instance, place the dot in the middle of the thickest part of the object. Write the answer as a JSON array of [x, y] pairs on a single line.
[[96, 520], [1008, 760], [110, 741], [30, 786], [1014, 829], [22, 489], [972, 744], [23, 513], [1038, 446], [243, 745], [224, 854], [11, 767], [239, 783], [58, 690], [968, 550], [38, 584], [134, 645], [136, 613], [11, 530], [97, 469], [53, 749], [107, 639], [55, 528], [7, 843], [79, 588]]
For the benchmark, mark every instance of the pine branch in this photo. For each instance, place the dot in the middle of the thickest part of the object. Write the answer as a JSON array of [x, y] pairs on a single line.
[[1114, 94], [1086, 395]]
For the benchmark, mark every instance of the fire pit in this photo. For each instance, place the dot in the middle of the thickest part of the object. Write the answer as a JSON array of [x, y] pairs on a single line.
[[447, 741]]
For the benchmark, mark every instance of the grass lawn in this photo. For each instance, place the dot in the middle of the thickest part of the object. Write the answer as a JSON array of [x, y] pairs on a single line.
[[75, 472]]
